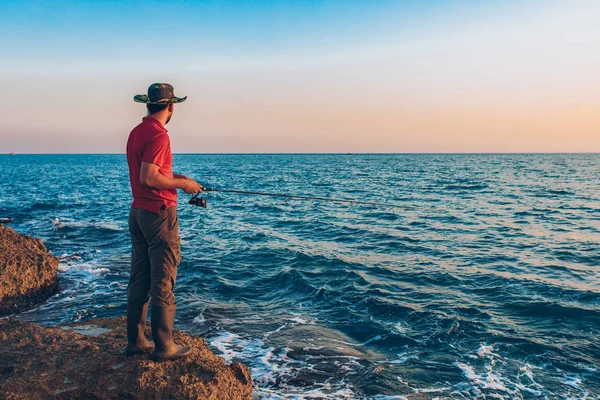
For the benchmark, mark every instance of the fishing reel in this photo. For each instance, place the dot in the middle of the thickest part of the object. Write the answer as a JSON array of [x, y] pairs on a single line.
[[198, 201]]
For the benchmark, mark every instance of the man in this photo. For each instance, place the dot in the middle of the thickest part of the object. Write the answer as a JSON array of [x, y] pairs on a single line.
[[154, 227]]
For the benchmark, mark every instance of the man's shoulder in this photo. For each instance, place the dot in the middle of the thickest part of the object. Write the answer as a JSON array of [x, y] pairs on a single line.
[[146, 130]]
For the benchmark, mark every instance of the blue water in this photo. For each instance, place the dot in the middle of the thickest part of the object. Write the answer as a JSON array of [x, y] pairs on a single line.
[[480, 281]]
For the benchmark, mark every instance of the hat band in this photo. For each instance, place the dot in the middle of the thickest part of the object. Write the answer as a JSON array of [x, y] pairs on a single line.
[[161, 100]]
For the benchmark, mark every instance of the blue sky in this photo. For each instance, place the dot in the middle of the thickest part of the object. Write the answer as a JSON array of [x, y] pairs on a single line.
[[110, 31], [266, 75]]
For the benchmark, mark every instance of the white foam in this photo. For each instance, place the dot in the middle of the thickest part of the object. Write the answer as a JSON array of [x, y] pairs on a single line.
[[85, 268], [487, 380], [300, 321], [323, 392], [108, 226], [373, 339], [223, 342], [485, 350], [271, 366], [267, 334], [402, 358], [78, 224], [309, 348], [484, 382], [527, 371], [431, 390], [423, 390], [231, 345], [199, 319], [294, 321], [572, 381], [70, 258], [400, 328]]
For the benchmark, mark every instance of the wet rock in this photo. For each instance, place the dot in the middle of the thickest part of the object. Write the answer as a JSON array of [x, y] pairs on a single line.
[[28, 272], [85, 361]]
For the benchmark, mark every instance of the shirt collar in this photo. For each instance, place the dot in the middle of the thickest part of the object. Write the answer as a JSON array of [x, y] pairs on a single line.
[[153, 120]]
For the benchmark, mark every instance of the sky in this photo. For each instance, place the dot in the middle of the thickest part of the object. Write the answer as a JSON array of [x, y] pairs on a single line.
[[304, 76]]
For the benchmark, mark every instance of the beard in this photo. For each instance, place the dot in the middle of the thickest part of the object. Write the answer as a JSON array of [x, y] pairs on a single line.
[[169, 118]]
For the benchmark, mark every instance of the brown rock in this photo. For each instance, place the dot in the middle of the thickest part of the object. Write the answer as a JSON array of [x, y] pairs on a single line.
[[85, 361], [28, 272]]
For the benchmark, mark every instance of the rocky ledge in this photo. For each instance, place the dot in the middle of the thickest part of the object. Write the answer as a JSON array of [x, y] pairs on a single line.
[[85, 361], [28, 272]]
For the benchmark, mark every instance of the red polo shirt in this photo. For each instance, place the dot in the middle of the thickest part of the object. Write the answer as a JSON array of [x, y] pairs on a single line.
[[149, 142]]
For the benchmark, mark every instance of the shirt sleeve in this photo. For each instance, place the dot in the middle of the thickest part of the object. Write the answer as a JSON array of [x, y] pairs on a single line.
[[157, 150]]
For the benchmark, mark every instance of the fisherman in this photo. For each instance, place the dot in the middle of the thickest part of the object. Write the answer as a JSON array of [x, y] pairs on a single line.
[[154, 228]]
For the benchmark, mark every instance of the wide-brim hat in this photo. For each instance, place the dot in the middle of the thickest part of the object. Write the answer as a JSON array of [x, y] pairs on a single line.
[[159, 93]]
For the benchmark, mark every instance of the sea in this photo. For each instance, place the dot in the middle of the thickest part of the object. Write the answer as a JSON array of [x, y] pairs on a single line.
[[477, 277]]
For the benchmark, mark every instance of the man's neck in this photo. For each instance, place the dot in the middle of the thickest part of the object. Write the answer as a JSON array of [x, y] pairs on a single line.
[[161, 117]]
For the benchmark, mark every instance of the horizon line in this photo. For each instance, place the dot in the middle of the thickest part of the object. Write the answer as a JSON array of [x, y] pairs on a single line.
[[329, 153]]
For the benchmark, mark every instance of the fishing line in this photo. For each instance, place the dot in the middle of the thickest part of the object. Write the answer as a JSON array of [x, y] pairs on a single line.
[[202, 202]]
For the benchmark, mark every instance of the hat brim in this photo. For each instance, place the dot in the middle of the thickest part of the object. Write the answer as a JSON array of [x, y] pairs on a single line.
[[143, 98]]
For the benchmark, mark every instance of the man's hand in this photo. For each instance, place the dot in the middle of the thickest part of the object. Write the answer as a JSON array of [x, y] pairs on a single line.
[[190, 186], [187, 189]]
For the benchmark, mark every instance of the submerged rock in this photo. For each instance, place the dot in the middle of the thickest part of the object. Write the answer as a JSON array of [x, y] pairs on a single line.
[[85, 361], [28, 272]]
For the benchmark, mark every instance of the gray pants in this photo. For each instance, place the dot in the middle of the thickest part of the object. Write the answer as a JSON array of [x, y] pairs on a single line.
[[155, 256]]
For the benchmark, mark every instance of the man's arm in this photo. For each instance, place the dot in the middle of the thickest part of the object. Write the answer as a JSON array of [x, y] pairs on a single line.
[[152, 179]]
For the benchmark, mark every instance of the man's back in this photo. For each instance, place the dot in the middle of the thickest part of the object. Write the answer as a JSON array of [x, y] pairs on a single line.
[[149, 142]]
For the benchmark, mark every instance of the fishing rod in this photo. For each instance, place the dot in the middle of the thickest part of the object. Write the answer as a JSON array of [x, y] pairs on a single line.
[[201, 202]]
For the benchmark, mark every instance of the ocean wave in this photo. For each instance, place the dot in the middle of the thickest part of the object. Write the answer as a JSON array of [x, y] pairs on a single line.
[[552, 309], [75, 225]]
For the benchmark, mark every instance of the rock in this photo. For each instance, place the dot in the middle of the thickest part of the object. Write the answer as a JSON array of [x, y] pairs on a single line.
[[28, 272], [85, 361]]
